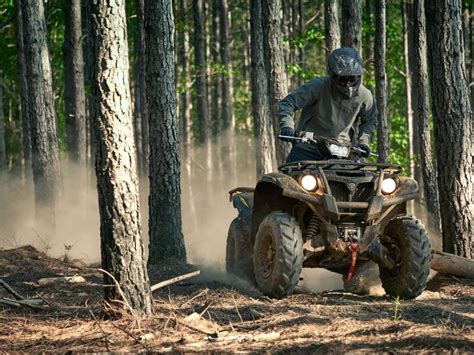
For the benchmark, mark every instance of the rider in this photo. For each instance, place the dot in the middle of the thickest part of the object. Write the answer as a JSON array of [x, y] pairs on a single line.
[[335, 106]]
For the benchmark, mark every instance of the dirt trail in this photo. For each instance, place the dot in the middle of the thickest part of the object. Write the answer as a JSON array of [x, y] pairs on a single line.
[[442, 318]]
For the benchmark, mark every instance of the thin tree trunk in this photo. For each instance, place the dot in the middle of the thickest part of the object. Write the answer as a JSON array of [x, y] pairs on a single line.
[[369, 57], [332, 36], [216, 76], [275, 67], [408, 92], [23, 85], [380, 51], [141, 88], [201, 73], [3, 153], [265, 141], [351, 24], [422, 112], [166, 238], [301, 31], [453, 125], [44, 142], [117, 183], [74, 91]]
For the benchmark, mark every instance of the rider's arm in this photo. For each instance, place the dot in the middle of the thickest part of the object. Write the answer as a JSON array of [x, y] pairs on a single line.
[[368, 119], [299, 98]]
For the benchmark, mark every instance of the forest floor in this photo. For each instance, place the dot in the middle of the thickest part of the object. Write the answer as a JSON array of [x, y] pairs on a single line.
[[233, 317]]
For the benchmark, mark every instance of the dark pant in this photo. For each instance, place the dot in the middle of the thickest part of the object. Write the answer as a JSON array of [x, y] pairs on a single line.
[[297, 154]]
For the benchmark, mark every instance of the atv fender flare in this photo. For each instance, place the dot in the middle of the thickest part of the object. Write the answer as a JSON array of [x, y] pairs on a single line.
[[268, 197]]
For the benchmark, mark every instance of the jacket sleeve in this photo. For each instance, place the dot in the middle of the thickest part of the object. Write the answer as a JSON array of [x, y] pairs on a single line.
[[299, 98], [368, 119]]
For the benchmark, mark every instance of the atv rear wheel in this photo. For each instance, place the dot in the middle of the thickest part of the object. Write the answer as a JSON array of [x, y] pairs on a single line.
[[278, 254], [238, 259], [408, 244]]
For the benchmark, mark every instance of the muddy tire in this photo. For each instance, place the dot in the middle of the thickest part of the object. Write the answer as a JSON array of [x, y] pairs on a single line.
[[408, 244], [238, 259], [278, 254], [362, 279]]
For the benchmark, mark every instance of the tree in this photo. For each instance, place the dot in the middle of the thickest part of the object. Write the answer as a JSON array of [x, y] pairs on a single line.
[[275, 66], [265, 141], [380, 50], [227, 88], [3, 154], [166, 238], [23, 85], [74, 91], [41, 112], [120, 229], [332, 35], [453, 124], [351, 24], [201, 71], [422, 115]]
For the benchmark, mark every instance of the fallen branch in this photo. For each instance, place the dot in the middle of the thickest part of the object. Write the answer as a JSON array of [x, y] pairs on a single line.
[[195, 322], [174, 280], [450, 264], [11, 290], [32, 303]]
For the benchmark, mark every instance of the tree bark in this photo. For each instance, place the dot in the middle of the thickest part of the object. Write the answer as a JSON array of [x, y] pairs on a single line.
[[166, 238], [228, 83], [74, 91], [301, 30], [265, 140], [44, 142], [216, 71], [331, 26], [275, 67], [451, 264], [351, 24], [120, 228], [453, 124], [422, 112], [23, 85], [380, 51], [3, 153], [200, 63]]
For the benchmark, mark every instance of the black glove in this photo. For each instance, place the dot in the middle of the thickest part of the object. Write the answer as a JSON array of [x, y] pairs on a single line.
[[365, 148], [287, 131]]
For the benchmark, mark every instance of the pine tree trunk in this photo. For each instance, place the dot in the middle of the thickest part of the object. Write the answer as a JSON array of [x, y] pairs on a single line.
[[166, 238], [23, 85], [408, 92], [331, 26], [117, 183], [44, 142], [201, 71], [453, 125], [265, 139], [351, 24], [216, 76], [301, 31], [275, 67], [141, 88], [74, 91], [380, 51], [420, 69], [227, 92], [3, 153]]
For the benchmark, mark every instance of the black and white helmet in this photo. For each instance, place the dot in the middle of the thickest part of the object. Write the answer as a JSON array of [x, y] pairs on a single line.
[[345, 69]]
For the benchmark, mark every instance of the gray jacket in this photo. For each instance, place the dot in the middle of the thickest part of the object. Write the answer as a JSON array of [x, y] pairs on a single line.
[[327, 114]]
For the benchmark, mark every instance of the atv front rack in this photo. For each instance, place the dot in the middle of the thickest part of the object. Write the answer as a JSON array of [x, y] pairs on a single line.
[[339, 165]]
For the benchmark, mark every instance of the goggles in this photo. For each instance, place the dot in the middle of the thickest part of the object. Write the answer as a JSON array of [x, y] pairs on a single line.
[[346, 80]]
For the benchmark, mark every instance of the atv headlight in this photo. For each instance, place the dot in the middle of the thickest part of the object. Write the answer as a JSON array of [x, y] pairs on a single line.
[[338, 150], [309, 182], [388, 185]]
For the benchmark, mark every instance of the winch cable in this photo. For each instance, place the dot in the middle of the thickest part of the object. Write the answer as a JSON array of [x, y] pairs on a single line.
[[354, 246]]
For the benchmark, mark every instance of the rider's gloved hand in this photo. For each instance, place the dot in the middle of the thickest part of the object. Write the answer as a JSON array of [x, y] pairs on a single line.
[[365, 150], [287, 131]]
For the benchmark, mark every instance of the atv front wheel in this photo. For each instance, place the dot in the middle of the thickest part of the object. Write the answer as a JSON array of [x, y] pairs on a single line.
[[238, 259], [278, 254], [408, 245]]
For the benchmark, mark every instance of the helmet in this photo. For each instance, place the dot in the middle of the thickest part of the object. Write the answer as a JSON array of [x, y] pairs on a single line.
[[345, 69]]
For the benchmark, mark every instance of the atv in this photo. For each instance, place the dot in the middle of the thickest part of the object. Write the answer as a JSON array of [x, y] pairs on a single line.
[[341, 214]]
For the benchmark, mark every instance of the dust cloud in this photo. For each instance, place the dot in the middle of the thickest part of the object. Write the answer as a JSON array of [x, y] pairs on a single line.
[[207, 212]]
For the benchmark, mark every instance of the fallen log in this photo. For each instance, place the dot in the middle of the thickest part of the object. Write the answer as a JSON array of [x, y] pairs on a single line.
[[450, 264]]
